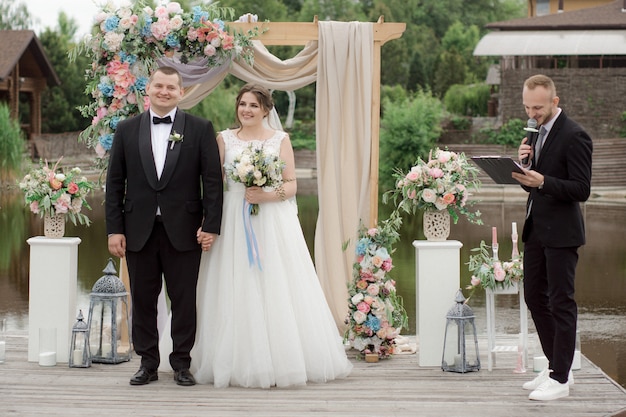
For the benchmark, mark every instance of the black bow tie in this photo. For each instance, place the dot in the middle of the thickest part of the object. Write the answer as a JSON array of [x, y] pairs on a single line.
[[157, 120]]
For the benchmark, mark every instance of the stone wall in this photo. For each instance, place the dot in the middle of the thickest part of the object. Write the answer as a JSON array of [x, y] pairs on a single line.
[[594, 97]]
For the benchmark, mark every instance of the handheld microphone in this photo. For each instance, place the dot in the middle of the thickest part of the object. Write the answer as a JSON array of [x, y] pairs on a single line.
[[531, 128]]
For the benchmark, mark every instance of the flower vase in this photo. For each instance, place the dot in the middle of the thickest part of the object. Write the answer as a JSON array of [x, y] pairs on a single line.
[[54, 225], [436, 225]]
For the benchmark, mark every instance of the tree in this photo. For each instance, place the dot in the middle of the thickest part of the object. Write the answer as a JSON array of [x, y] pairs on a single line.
[[14, 16], [59, 103]]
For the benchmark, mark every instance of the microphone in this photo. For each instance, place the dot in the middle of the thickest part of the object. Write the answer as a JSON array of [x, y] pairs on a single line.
[[531, 128]]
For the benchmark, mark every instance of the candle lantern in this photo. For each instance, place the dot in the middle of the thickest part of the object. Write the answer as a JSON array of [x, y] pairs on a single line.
[[109, 330], [80, 356], [460, 326]]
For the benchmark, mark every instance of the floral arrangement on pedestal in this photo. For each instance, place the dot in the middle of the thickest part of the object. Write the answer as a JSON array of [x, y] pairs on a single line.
[[126, 43], [50, 191], [489, 272], [376, 313], [443, 182]]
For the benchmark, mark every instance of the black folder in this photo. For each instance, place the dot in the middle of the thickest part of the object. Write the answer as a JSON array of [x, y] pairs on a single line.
[[499, 168]]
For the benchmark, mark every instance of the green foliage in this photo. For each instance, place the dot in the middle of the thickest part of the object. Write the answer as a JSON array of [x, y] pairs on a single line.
[[511, 133], [219, 106], [467, 100], [11, 145], [59, 104], [14, 15], [409, 129], [302, 135]]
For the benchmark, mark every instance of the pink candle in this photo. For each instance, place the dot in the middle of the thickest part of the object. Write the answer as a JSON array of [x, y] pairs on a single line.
[[494, 235]]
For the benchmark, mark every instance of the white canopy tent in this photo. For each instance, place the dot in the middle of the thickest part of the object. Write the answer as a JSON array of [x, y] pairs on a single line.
[[556, 42]]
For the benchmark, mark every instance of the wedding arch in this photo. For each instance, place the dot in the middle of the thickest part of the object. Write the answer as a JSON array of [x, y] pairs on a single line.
[[344, 60]]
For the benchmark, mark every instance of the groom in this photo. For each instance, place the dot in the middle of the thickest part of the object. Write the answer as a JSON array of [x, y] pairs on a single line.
[[163, 196]]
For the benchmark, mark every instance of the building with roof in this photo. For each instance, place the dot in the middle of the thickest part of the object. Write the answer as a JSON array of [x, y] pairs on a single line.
[[25, 72], [583, 51]]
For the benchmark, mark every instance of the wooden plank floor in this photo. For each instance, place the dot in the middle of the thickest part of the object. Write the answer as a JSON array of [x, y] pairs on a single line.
[[395, 387]]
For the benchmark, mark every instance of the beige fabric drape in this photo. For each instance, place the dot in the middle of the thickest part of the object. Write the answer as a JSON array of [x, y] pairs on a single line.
[[342, 64], [343, 126]]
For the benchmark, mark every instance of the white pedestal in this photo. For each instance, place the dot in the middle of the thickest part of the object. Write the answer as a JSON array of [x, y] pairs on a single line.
[[437, 280], [52, 292], [522, 344]]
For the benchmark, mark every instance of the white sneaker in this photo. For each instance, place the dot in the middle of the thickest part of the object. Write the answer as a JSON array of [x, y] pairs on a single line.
[[543, 377], [550, 390]]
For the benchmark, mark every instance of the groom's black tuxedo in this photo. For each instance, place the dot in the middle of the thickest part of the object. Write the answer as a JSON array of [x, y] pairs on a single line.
[[189, 196]]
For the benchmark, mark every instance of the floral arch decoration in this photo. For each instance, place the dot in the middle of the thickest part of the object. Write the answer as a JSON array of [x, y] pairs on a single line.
[[129, 42]]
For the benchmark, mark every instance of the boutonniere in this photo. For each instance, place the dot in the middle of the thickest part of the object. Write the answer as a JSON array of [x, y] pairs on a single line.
[[175, 137]]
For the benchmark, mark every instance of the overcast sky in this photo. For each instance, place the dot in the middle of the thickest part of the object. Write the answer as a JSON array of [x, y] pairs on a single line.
[[46, 12]]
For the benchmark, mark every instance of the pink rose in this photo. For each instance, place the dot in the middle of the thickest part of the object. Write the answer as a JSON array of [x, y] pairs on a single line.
[[412, 176], [72, 188], [498, 271], [387, 265], [411, 194], [475, 281], [372, 232], [34, 207], [373, 289], [435, 172], [363, 307]]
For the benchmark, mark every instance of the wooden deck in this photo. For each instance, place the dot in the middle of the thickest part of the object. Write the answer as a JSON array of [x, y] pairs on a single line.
[[395, 387]]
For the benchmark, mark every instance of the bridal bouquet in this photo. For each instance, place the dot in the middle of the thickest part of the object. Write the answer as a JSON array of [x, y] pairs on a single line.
[[49, 192], [492, 273], [443, 182], [255, 167], [376, 314]]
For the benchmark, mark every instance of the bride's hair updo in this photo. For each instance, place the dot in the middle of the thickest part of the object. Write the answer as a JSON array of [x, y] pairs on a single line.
[[262, 94]]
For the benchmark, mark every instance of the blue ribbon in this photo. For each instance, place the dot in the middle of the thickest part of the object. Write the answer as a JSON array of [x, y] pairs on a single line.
[[253, 248]]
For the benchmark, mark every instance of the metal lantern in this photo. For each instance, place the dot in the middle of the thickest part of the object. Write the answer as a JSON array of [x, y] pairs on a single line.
[[80, 356], [459, 325], [109, 330]]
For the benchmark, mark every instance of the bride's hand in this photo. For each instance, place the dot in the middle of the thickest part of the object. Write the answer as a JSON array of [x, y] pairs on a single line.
[[256, 195]]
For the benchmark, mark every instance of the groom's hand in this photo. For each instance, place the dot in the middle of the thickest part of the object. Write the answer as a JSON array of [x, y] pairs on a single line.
[[117, 245], [205, 239]]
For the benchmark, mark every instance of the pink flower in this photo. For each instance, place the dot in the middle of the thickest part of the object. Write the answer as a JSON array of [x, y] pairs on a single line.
[[63, 203], [412, 175], [372, 232], [373, 289], [498, 271], [444, 156], [475, 281], [161, 12], [429, 195], [387, 265], [377, 261], [34, 207], [160, 28], [365, 274], [72, 188], [435, 172], [448, 198], [209, 50], [411, 194], [363, 307], [362, 284]]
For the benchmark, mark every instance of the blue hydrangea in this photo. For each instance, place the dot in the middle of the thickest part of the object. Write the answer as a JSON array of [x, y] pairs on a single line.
[[140, 84], [106, 141], [220, 23], [372, 322], [361, 246], [146, 29], [106, 89], [125, 57], [113, 122], [199, 15], [172, 41], [111, 23]]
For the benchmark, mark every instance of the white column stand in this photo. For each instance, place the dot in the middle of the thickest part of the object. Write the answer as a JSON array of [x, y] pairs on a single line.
[[52, 292], [437, 279]]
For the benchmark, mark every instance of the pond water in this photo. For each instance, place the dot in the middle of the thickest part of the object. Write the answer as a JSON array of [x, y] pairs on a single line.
[[600, 284]]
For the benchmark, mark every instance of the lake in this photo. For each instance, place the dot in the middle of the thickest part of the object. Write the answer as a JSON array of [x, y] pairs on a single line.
[[600, 284]]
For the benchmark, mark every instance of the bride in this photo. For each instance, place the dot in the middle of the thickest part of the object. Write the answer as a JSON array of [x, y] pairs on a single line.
[[262, 321]]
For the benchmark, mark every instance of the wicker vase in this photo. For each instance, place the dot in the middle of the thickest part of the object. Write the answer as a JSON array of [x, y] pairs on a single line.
[[436, 225], [54, 225]]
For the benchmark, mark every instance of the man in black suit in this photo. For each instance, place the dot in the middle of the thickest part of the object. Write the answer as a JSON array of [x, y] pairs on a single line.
[[558, 180], [163, 198]]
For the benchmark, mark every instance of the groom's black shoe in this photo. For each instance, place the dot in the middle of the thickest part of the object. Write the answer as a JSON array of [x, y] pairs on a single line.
[[183, 377], [144, 376]]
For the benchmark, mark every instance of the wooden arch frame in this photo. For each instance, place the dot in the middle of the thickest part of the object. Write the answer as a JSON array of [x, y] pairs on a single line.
[[299, 33]]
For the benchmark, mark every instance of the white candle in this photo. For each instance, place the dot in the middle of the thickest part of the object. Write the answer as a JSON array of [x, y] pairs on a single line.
[[77, 356], [47, 359], [2, 350], [540, 363], [514, 227], [106, 349]]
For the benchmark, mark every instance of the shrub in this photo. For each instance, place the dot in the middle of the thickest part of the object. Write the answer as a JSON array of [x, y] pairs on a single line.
[[510, 133], [468, 100], [12, 145]]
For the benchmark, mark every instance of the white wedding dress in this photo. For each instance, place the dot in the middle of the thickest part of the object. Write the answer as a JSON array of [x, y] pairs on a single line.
[[268, 326]]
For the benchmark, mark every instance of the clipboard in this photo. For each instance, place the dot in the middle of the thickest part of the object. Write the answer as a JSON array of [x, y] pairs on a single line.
[[499, 168]]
